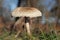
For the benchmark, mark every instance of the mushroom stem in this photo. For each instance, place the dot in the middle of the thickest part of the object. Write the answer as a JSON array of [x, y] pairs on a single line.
[[27, 25], [28, 28], [17, 34]]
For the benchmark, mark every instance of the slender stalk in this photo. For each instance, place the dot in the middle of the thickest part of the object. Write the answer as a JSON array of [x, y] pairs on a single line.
[[28, 29]]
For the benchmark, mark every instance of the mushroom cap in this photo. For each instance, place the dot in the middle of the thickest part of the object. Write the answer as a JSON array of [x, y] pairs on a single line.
[[26, 12]]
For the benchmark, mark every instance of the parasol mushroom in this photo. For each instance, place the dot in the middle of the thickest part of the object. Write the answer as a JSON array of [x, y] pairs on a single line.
[[26, 12]]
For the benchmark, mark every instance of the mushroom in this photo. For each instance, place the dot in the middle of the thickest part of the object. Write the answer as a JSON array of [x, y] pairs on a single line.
[[26, 12]]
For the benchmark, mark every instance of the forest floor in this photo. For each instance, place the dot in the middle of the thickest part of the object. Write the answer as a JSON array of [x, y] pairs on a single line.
[[35, 36]]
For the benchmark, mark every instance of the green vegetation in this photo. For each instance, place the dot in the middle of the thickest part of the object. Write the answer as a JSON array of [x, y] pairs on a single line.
[[36, 35]]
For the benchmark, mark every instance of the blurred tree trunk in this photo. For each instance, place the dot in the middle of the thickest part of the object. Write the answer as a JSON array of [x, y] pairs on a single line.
[[1, 7], [28, 3], [58, 11]]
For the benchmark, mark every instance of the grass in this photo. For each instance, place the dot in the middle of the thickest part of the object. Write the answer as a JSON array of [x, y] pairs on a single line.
[[41, 36], [35, 36]]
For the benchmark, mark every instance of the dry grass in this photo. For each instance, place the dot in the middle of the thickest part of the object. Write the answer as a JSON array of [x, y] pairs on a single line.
[[39, 32]]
